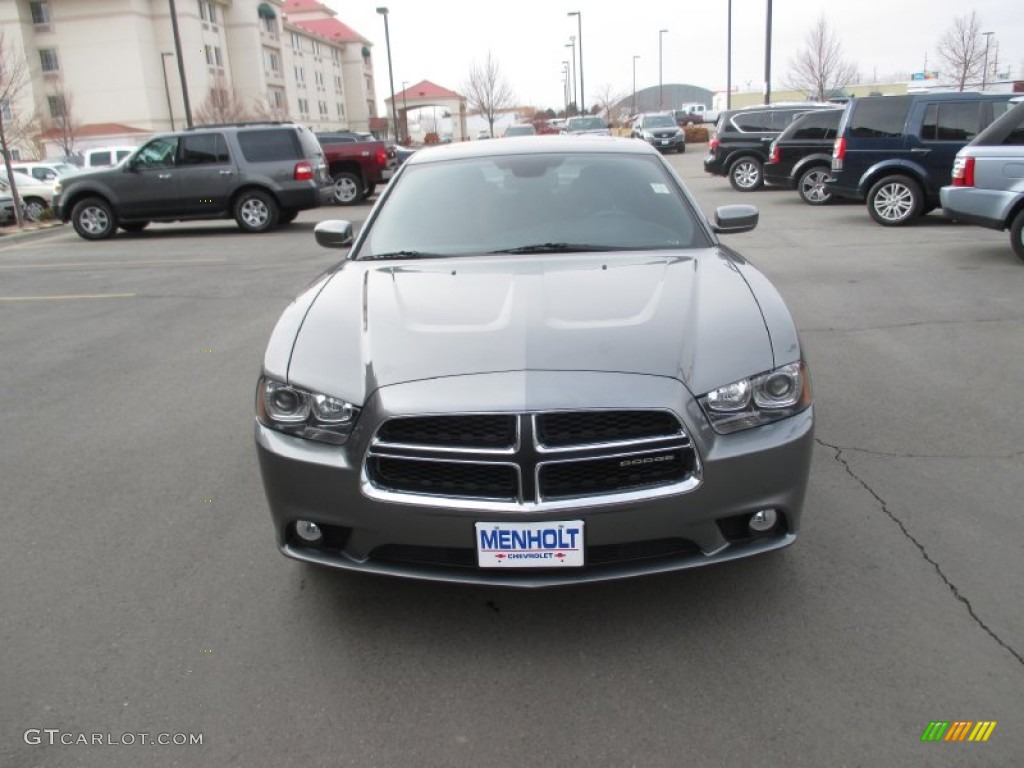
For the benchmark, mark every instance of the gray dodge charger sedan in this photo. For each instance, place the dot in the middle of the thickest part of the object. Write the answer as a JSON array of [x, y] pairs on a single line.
[[536, 366]]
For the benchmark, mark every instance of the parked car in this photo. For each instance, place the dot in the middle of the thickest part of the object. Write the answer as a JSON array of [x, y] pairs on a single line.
[[801, 157], [988, 179], [7, 214], [659, 130], [357, 167], [46, 171], [586, 125], [739, 147], [896, 152], [694, 112], [566, 378], [261, 175], [340, 137], [36, 196], [520, 130], [103, 157]]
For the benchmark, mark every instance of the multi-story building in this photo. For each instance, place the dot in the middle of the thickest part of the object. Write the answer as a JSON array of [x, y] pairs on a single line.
[[106, 71]]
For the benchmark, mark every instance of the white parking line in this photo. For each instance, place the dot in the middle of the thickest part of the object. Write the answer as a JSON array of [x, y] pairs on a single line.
[[69, 296], [91, 264]]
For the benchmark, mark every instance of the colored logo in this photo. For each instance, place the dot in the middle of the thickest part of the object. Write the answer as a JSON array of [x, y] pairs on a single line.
[[958, 730]]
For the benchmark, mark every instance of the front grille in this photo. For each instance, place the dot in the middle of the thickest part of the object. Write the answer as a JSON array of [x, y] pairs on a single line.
[[593, 477], [530, 459], [463, 431], [444, 478], [565, 428]]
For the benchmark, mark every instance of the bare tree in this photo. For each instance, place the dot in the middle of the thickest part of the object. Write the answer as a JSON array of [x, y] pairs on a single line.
[[604, 98], [962, 51], [62, 124], [13, 79], [222, 105], [487, 90], [262, 109], [820, 69]]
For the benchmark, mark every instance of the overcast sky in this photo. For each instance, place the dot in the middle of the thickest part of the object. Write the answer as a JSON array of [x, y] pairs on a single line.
[[438, 40]]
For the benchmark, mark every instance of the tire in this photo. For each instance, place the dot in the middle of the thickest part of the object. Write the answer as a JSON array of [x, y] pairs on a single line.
[[256, 211], [811, 186], [1017, 234], [287, 217], [370, 189], [134, 226], [93, 219], [34, 208], [348, 189], [746, 174], [682, 148], [895, 200]]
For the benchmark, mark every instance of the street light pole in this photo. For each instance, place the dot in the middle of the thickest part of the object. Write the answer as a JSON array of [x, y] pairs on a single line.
[[579, 36], [728, 61], [383, 11], [984, 71], [661, 99], [565, 85], [635, 57], [405, 110], [572, 90], [181, 64], [768, 57], [167, 86]]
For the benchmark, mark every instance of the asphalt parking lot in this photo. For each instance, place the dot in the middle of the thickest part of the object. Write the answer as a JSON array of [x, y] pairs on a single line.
[[141, 591]]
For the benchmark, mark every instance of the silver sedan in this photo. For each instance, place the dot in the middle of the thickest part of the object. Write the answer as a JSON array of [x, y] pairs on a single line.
[[536, 366]]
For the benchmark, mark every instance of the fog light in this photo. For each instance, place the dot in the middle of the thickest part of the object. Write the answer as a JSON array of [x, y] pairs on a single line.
[[763, 520], [308, 531]]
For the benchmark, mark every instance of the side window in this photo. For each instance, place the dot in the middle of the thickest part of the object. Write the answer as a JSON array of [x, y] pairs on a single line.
[[1016, 135], [204, 149], [782, 118], [101, 158], [43, 174], [879, 118], [159, 153], [749, 122], [951, 121], [269, 145]]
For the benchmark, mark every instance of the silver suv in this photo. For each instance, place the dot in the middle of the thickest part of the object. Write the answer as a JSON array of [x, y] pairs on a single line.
[[988, 179], [261, 175]]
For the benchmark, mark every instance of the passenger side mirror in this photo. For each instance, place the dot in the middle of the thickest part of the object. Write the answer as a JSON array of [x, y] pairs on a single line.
[[334, 233], [733, 219]]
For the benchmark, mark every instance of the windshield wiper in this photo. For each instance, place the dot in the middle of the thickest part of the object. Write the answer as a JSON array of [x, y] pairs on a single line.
[[406, 255], [558, 248]]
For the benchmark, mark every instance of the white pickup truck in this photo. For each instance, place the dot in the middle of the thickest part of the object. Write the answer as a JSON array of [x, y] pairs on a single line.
[[692, 112]]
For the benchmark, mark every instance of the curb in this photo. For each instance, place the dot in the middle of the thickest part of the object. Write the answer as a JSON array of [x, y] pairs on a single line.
[[9, 235]]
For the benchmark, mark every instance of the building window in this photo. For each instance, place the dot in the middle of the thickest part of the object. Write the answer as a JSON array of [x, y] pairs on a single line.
[[296, 42], [277, 98], [323, 108], [208, 11], [300, 76], [269, 26], [272, 62], [341, 109], [15, 154], [304, 106], [40, 12], [336, 56], [319, 77], [56, 105], [337, 83], [316, 48], [48, 59], [217, 56], [209, 55]]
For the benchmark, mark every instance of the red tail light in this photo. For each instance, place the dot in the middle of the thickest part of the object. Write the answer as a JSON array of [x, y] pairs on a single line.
[[838, 153], [303, 171], [713, 144], [382, 157], [963, 172], [773, 155]]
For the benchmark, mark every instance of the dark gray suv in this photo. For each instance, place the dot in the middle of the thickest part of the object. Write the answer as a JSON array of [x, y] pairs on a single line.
[[261, 175]]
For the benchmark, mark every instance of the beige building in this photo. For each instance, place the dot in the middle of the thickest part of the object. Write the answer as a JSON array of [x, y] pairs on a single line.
[[105, 71]]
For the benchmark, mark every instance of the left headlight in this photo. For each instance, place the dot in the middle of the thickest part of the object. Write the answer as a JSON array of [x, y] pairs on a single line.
[[758, 400], [300, 412]]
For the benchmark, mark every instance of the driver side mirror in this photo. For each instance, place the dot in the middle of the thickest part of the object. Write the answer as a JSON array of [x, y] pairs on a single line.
[[733, 219], [334, 233]]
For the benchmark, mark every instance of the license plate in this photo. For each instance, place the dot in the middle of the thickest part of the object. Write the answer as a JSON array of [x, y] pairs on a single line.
[[556, 544], [666, 141]]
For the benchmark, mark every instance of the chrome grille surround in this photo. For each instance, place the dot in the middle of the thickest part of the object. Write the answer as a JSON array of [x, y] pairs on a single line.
[[530, 457]]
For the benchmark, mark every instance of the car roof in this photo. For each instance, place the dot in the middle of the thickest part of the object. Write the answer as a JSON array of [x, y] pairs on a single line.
[[527, 145]]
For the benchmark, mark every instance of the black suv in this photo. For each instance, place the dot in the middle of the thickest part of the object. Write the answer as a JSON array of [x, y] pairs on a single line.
[[739, 148], [801, 157], [261, 175], [896, 152]]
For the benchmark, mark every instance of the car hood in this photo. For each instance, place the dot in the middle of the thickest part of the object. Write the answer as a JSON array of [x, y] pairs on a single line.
[[688, 315]]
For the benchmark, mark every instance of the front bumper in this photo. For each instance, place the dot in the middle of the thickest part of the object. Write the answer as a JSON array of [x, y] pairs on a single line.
[[766, 467], [667, 144]]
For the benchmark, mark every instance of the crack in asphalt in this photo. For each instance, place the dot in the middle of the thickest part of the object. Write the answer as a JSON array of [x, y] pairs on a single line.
[[958, 456], [924, 552], [916, 324]]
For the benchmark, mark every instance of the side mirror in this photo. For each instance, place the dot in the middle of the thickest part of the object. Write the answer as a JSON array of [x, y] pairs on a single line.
[[334, 233], [733, 219]]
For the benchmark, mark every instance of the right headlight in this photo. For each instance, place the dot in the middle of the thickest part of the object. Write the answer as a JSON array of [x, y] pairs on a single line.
[[300, 412], [759, 399]]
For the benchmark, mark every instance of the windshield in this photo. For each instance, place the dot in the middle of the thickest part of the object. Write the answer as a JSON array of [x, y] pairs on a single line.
[[659, 121], [585, 123], [533, 203]]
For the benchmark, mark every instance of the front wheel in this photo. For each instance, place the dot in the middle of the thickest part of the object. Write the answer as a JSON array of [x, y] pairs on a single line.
[[745, 175], [256, 211], [895, 201], [811, 186], [370, 189], [348, 189], [682, 148], [34, 208], [1017, 234], [93, 219]]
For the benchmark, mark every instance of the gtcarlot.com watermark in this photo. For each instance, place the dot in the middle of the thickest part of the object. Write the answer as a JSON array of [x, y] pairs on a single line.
[[55, 736]]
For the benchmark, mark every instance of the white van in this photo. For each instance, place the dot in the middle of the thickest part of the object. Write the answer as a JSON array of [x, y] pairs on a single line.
[[104, 157]]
